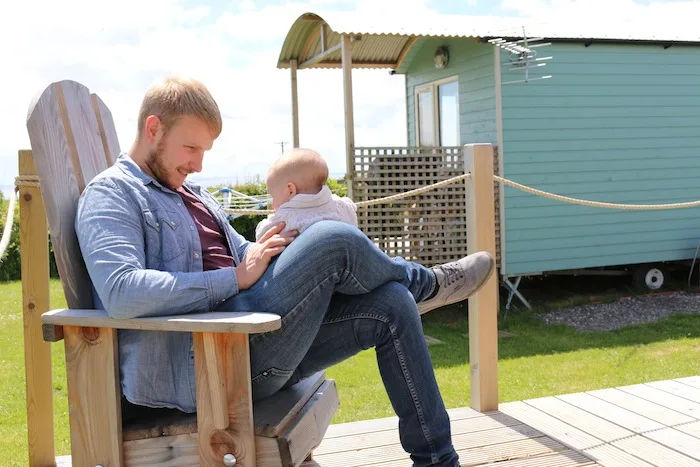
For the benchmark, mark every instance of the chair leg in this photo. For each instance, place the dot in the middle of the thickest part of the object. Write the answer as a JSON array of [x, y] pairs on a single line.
[[224, 400], [94, 401]]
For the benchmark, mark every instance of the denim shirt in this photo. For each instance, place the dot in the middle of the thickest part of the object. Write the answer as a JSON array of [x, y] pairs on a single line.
[[144, 257]]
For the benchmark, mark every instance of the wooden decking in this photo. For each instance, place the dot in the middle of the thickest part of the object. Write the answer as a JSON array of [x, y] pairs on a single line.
[[651, 424]]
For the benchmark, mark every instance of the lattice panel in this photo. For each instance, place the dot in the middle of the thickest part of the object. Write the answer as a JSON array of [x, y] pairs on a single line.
[[430, 228]]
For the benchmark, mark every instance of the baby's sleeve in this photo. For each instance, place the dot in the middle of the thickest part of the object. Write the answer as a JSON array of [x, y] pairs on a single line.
[[262, 227], [349, 208]]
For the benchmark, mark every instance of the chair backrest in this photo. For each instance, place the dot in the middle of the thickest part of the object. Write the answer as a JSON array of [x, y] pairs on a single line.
[[73, 138]]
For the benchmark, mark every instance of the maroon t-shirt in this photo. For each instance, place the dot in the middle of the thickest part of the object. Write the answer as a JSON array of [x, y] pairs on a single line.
[[215, 252]]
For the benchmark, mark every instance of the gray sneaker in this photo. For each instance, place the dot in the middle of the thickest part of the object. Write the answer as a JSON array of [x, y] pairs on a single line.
[[459, 280]]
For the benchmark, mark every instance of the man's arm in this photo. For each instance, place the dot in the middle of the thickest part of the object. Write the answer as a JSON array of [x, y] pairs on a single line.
[[111, 238]]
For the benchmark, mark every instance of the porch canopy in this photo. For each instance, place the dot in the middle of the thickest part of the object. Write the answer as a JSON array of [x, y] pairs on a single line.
[[346, 40]]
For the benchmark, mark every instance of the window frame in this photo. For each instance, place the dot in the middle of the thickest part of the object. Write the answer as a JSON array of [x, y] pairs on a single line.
[[433, 87]]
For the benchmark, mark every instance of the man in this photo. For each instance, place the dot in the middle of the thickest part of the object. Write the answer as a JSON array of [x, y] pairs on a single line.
[[156, 244]]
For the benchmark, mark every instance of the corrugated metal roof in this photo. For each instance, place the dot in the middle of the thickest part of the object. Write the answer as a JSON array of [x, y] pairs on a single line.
[[385, 40]]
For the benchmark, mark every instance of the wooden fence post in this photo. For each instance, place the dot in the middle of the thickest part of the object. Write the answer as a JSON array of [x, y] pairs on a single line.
[[34, 254], [483, 306]]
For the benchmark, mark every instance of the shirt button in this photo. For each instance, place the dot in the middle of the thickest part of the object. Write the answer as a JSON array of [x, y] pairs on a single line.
[[179, 203], [172, 223], [196, 255], [192, 227]]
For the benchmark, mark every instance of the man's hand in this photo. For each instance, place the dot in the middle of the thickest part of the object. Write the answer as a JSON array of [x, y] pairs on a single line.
[[259, 254]]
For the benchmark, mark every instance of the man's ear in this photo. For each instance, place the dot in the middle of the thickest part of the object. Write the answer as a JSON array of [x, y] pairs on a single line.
[[292, 188], [153, 125]]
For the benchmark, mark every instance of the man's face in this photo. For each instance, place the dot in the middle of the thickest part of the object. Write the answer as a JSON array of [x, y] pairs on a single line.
[[179, 151]]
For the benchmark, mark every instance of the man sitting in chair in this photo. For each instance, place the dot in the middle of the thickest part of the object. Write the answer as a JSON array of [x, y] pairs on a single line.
[[157, 244]]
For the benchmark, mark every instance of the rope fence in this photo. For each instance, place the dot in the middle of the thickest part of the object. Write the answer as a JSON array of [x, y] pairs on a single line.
[[505, 181], [33, 181]]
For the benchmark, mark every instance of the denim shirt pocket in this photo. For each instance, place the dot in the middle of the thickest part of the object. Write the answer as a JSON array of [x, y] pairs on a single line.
[[162, 236]]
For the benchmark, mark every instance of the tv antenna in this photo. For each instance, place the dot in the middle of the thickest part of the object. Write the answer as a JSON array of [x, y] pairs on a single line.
[[522, 56], [282, 143]]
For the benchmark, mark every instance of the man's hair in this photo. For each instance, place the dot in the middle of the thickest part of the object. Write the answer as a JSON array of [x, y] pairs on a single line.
[[175, 97]]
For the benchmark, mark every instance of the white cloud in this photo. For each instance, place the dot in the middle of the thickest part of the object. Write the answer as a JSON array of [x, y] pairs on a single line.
[[653, 12], [117, 52]]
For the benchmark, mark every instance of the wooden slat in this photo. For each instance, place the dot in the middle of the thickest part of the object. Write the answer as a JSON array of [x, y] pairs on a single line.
[[386, 437], [232, 351], [34, 253], [664, 399], [93, 396], [302, 437], [391, 423], [551, 426], [273, 414], [675, 439], [693, 381], [68, 153], [654, 452], [678, 389], [692, 429], [559, 459], [612, 413], [581, 419], [218, 322], [394, 452], [520, 449], [108, 133], [641, 406], [611, 456]]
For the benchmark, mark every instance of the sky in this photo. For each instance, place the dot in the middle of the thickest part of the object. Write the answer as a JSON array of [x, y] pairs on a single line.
[[232, 46]]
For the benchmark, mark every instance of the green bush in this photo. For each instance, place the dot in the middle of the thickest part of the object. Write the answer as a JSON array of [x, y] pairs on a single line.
[[10, 263]]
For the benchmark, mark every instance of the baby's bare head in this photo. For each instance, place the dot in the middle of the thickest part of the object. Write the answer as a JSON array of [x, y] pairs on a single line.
[[305, 168]]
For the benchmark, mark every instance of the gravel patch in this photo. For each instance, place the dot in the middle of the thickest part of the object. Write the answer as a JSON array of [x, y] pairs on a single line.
[[624, 312]]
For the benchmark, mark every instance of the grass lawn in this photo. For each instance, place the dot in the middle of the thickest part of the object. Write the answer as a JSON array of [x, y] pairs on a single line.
[[537, 361]]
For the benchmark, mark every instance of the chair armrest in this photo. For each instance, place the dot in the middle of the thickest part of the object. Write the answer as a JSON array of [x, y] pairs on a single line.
[[244, 323]]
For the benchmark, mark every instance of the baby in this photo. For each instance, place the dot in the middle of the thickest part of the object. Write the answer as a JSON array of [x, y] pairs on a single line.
[[300, 197]]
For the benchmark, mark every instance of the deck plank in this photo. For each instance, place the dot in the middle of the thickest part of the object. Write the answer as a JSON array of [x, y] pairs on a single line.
[[642, 425], [693, 381], [677, 388], [611, 456], [665, 399], [675, 439], [391, 423], [394, 452], [581, 419], [611, 412], [691, 429], [654, 452], [642, 406], [364, 440], [550, 426]]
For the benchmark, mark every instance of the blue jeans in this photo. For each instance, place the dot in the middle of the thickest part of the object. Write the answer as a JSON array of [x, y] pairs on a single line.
[[338, 294]]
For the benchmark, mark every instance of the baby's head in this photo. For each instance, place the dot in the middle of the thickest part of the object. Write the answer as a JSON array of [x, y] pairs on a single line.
[[298, 171]]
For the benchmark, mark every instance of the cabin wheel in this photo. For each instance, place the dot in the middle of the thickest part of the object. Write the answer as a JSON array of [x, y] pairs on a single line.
[[650, 276]]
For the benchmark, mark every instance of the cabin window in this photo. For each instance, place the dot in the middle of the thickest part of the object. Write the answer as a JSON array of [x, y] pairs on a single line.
[[437, 113]]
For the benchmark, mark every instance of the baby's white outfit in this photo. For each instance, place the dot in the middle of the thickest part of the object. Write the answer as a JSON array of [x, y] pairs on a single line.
[[304, 210]]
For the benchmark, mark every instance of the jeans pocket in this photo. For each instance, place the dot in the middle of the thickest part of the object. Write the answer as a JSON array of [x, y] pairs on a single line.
[[269, 382]]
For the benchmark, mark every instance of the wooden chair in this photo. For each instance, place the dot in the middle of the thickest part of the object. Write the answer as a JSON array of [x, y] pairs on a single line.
[[73, 138]]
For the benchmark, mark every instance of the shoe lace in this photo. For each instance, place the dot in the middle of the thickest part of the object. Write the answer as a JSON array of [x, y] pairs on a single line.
[[452, 273]]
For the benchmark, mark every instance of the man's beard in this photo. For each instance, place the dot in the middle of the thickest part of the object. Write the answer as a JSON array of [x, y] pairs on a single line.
[[156, 162]]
